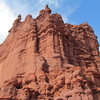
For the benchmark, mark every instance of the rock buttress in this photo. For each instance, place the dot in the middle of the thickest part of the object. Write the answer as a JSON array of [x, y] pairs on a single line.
[[46, 59]]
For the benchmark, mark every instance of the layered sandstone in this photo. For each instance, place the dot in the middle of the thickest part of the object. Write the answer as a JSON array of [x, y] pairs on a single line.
[[46, 59]]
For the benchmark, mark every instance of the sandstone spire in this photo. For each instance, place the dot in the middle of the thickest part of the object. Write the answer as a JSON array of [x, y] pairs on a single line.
[[47, 9], [46, 59], [17, 20]]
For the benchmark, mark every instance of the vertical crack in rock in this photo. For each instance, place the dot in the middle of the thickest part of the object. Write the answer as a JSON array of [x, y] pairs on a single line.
[[36, 39]]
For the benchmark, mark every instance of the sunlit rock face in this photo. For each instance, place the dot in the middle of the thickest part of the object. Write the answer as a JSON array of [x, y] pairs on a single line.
[[46, 59]]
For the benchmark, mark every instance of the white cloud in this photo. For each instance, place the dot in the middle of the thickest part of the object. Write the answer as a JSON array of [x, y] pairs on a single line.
[[65, 18], [6, 20]]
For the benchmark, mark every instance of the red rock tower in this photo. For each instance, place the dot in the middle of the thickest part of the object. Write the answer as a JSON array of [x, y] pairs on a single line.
[[47, 59]]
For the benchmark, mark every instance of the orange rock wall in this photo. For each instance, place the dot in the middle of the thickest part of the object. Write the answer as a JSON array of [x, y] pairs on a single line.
[[47, 59]]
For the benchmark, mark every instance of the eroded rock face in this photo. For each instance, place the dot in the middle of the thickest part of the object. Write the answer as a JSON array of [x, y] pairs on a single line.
[[46, 59]]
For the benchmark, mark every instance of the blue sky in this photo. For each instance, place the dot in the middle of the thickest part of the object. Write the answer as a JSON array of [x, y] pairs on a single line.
[[72, 11]]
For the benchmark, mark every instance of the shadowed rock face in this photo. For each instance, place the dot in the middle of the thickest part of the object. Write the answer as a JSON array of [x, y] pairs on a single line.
[[46, 59]]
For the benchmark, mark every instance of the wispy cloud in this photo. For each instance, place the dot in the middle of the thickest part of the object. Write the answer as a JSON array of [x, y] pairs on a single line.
[[50, 2], [6, 19], [66, 15], [69, 8]]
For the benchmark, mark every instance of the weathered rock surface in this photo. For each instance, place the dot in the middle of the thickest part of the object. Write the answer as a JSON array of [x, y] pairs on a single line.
[[46, 59]]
